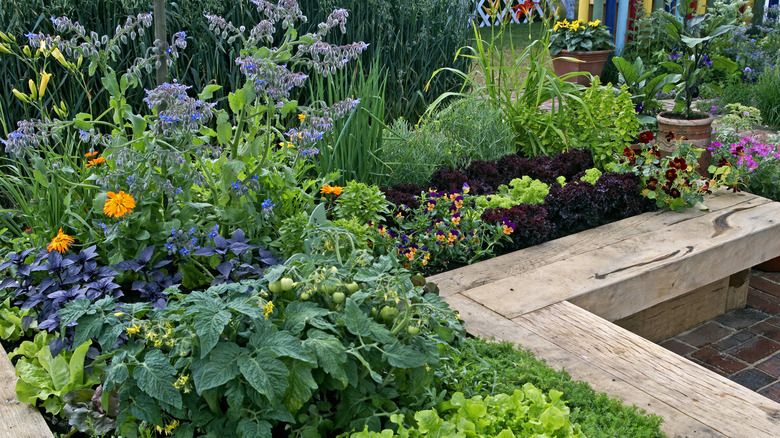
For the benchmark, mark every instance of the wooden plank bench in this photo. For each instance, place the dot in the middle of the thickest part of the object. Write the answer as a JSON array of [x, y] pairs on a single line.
[[658, 272], [17, 419]]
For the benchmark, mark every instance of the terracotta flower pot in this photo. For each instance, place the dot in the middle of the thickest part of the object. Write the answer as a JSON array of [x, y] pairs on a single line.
[[696, 132], [591, 62]]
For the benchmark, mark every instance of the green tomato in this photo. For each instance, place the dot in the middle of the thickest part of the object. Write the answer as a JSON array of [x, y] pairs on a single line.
[[373, 311], [388, 313], [338, 297], [352, 287], [413, 330], [275, 287], [305, 296], [287, 283], [334, 269], [328, 289]]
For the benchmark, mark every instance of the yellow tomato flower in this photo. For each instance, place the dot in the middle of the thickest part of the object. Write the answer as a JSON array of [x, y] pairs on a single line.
[[60, 243], [119, 204], [268, 309]]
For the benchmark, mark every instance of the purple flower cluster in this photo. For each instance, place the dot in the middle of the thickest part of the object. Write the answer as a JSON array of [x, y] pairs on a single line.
[[29, 135], [180, 113]]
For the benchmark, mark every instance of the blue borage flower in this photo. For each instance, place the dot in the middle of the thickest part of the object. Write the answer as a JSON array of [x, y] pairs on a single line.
[[182, 113]]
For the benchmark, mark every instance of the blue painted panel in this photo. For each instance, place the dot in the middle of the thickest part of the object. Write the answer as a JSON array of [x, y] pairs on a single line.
[[609, 17], [622, 25]]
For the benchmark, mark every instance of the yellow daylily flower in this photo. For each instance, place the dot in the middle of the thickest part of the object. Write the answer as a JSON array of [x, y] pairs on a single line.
[[44, 82]]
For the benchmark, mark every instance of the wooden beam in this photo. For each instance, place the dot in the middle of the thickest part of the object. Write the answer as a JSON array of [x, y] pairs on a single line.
[[725, 407], [17, 419], [609, 15], [634, 274], [678, 420]]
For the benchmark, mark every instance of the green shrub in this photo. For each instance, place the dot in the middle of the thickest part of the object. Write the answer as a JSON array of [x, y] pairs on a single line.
[[470, 128], [611, 126], [767, 92], [362, 203]]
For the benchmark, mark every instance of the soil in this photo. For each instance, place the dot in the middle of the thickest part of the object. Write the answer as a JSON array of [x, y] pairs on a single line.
[[681, 116]]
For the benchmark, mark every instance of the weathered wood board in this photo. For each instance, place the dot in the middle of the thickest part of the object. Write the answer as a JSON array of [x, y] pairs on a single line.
[[509, 265], [680, 314], [622, 268], [693, 401], [17, 419], [653, 267]]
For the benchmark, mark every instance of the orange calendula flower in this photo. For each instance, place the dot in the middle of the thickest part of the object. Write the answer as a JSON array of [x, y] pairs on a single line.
[[92, 154], [60, 243], [334, 190], [95, 162], [119, 204]]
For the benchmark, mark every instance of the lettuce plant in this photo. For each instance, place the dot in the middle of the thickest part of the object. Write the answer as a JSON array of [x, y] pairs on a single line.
[[526, 412]]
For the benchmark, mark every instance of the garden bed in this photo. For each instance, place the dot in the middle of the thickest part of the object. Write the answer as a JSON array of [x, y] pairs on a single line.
[[619, 270], [18, 420]]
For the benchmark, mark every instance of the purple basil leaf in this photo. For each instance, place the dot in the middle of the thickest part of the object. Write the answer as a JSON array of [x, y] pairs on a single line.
[[205, 251], [225, 268], [146, 255], [8, 282]]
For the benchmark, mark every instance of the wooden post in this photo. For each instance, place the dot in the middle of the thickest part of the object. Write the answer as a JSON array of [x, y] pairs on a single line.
[[160, 33], [621, 26], [598, 10], [648, 5], [658, 4], [758, 12], [609, 16], [582, 11]]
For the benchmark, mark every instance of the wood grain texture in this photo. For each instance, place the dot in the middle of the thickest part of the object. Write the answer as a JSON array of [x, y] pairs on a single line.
[[724, 406], [509, 265], [481, 321], [17, 419], [680, 314], [663, 256]]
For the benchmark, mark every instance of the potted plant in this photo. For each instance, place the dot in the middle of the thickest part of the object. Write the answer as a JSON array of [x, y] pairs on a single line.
[[583, 48], [692, 35]]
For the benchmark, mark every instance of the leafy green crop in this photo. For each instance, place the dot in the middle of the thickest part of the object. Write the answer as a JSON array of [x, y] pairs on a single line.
[[520, 191], [46, 378], [11, 325], [483, 366], [527, 412]]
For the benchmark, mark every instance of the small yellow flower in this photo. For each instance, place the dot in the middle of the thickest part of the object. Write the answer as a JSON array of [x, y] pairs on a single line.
[[44, 82], [119, 204], [60, 243], [301, 117], [133, 329], [181, 381], [594, 23], [268, 309]]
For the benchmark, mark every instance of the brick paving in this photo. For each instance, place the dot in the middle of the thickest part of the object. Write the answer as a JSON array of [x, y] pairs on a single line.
[[743, 345]]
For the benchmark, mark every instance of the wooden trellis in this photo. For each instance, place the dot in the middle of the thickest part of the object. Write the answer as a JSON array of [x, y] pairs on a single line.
[[483, 19]]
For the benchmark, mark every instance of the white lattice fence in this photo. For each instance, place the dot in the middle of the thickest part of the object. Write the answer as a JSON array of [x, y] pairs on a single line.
[[483, 19]]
